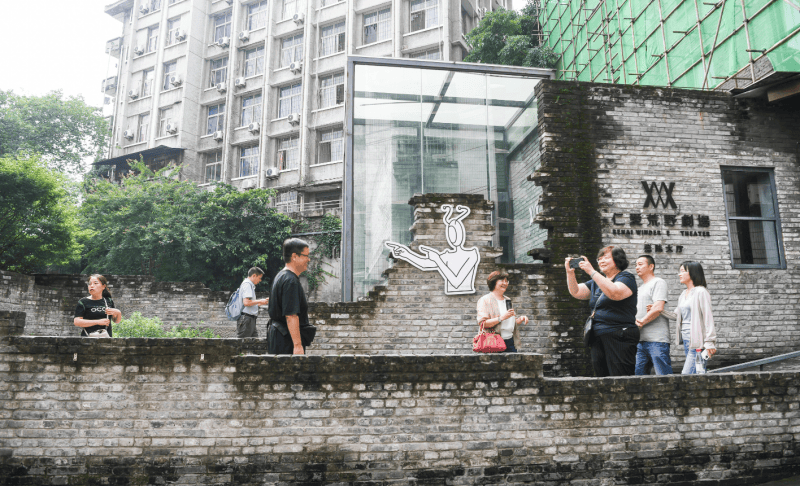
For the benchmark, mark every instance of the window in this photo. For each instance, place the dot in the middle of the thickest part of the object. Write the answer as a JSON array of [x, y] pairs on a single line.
[[248, 161], [289, 100], [326, 3], [148, 77], [331, 146], [430, 54], [152, 6], [331, 90], [331, 39], [172, 31], [287, 202], [213, 166], [256, 16], [377, 26], [165, 117], [219, 71], [254, 62], [169, 69], [424, 14], [222, 26], [291, 50], [216, 118], [289, 153], [251, 109], [152, 39], [466, 20], [290, 8], [144, 126], [751, 207]]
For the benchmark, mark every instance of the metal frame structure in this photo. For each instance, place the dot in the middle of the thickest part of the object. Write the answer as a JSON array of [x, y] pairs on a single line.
[[347, 189]]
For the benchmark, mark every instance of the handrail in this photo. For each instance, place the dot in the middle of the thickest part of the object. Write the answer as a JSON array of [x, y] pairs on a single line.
[[759, 362]]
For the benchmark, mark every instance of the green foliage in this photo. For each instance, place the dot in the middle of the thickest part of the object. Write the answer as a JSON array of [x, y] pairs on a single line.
[[328, 245], [138, 326], [38, 216], [508, 38], [152, 224], [63, 131]]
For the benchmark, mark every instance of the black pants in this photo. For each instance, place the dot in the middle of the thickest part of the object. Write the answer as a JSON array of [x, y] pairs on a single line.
[[614, 354], [246, 326], [277, 343]]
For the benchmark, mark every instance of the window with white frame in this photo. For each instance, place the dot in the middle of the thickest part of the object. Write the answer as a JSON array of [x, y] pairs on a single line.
[[222, 26], [291, 50], [164, 118], [172, 31], [326, 3], [290, 7], [170, 68], [152, 6], [331, 90], [248, 161], [148, 79], [289, 100], [430, 54], [219, 71], [289, 153], [213, 166], [331, 39], [424, 14], [287, 202], [152, 39], [143, 127], [251, 109], [254, 62], [216, 118], [256, 15], [377, 26], [330, 146]]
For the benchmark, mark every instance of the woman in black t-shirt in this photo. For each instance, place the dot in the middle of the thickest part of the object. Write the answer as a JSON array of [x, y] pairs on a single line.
[[94, 313]]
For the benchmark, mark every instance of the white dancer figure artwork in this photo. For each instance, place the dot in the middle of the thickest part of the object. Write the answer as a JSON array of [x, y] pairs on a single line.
[[457, 266]]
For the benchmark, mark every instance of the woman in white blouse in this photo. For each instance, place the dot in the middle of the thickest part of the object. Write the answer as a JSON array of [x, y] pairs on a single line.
[[695, 329], [495, 311]]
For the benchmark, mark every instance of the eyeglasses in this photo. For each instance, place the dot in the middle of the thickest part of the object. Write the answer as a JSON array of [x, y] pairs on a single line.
[[307, 255]]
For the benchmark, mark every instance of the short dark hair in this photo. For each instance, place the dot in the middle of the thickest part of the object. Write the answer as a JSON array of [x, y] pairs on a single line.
[[255, 271], [650, 260], [493, 277], [617, 254], [695, 273], [292, 246]]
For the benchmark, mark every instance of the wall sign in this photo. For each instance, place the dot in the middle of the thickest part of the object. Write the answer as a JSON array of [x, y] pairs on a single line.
[[457, 266]]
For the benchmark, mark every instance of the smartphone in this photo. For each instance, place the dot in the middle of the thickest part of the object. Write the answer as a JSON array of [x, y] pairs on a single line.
[[575, 263]]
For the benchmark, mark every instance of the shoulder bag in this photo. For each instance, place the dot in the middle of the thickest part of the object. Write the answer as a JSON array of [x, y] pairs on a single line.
[[488, 342], [101, 333]]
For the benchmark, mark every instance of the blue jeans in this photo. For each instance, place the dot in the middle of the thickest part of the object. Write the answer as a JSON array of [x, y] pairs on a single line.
[[509, 346], [653, 355], [688, 366]]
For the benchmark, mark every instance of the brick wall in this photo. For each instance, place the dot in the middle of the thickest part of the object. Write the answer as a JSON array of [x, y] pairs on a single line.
[[139, 411]]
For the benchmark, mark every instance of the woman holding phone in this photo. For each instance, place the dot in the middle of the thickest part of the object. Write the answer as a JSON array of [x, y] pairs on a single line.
[[495, 311], [93, 314]]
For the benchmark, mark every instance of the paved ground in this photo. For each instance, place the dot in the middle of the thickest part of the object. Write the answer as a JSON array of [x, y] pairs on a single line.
[[795, 481]]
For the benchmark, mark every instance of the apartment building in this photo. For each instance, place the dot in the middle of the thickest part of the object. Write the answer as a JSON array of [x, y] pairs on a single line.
[[252, 92]]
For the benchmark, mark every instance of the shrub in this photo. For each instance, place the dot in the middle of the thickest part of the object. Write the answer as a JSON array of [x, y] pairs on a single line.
[[138, 326]]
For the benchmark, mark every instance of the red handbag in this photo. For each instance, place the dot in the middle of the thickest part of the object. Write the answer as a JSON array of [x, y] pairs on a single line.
[[488, 342]]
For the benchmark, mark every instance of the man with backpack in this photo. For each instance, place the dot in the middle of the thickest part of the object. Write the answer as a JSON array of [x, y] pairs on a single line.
[[246, 324]]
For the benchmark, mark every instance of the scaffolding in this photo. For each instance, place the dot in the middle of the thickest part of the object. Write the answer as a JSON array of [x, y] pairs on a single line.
[[675, 43]]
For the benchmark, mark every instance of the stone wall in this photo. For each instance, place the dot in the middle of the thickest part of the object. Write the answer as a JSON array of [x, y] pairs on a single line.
[[150, 411]]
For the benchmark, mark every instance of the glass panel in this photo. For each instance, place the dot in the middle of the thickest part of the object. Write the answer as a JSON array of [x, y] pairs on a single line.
[[754, 242], [749, 194]]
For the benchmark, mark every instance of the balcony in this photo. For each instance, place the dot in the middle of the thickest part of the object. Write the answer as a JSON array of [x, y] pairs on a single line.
[[110, 86], [113, 47], [297, 208]]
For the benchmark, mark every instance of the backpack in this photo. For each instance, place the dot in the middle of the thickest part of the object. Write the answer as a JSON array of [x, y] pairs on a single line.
[[235, 305]]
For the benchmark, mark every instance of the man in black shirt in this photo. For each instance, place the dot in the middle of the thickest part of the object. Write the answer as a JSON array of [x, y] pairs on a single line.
[[288, 307]]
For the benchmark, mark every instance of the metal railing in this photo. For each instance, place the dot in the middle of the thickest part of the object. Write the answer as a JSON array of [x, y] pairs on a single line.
[[307, 207], [757, 363]]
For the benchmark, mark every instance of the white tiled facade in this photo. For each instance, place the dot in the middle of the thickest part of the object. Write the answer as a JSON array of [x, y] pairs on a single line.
[[253, 91]]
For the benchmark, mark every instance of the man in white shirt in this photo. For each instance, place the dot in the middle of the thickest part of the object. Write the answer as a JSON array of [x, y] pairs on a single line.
[[246, 324], [653, 348]]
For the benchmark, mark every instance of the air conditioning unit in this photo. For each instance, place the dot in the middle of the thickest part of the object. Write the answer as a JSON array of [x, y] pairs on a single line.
[[240, 82], [222, 87], [224, 41], [144, 8], [217, 136], [138, 50], [294, 119], [254, 127], [175, 80], [272, 172], [244, 36], [299, 18], [180, 34], [296, 67], [172, 128], [133, 94], [128, 134]]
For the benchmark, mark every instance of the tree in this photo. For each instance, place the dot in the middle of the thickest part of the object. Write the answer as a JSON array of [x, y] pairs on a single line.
[[151, 224], [508, 38], [63, 131], [38, 216]]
